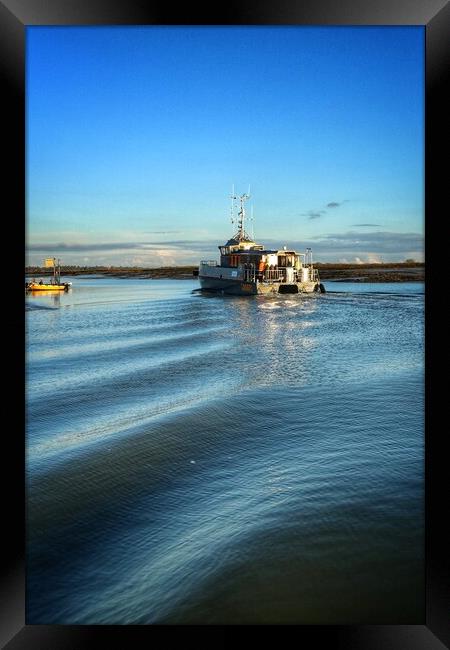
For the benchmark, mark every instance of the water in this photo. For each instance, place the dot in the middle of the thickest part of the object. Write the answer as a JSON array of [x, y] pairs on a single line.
[[203, 459]]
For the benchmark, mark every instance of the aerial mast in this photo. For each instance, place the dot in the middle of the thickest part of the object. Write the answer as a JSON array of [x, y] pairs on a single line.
[[241, 217]]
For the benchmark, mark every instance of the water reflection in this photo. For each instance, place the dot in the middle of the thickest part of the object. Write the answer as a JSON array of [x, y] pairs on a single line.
[[277, 336], [53, 297]]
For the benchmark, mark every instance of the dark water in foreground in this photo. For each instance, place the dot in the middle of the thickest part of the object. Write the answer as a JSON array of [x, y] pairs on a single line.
[[203, 459]]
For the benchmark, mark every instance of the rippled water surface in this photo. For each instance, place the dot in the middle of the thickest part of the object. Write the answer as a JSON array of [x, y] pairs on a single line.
[[203, 459]]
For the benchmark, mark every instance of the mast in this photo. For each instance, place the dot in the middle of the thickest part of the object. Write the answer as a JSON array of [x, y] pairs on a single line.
[[57, 271], [241, 234]]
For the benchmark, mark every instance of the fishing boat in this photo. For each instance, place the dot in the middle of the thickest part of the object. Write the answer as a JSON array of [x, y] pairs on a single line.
[[54, 284], [247, 268]]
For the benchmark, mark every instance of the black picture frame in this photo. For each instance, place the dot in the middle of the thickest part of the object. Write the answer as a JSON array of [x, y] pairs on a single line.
[[15, 16]]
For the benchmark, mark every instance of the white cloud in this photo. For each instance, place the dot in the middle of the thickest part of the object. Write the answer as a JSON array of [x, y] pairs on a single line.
[[373, 258], [367, 247]]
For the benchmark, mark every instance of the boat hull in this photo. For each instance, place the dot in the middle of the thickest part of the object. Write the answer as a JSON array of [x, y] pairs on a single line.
[[47, 287], [238, 287], [227, 286]]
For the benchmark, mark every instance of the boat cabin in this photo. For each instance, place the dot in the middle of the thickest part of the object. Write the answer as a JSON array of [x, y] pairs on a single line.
[[285, 265]]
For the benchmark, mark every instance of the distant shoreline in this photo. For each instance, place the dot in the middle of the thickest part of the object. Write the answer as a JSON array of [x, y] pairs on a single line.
[[333, 272]]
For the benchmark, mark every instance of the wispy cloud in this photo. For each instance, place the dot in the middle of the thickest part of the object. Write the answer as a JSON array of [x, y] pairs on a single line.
[[366, 225], [313, 214], [128, 253], [161, 232], [382, 241], [62, 247], [316, 214], [331, 246], [391, 245], [336, 204]]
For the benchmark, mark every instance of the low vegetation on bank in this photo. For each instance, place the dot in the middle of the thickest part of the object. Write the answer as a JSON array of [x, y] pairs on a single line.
[[389, 272]]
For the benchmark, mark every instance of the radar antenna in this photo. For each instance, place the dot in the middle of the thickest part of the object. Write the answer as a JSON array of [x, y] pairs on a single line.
[[241, 235]]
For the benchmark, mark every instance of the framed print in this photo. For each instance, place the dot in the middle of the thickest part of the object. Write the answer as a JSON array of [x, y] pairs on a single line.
[[248, 438]]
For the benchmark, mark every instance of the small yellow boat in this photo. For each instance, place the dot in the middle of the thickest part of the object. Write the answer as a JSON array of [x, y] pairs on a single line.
[[55, 283], [40, 286]]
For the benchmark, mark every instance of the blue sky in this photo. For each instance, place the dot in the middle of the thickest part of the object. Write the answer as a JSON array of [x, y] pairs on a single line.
[[135, 136]]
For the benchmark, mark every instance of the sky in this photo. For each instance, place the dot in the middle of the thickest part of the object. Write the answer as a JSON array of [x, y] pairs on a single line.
[[135, 137]]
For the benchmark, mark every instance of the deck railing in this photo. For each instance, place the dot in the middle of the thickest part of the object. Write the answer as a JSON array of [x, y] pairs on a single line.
[[279, 274], [274, 274], [250, 274]]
